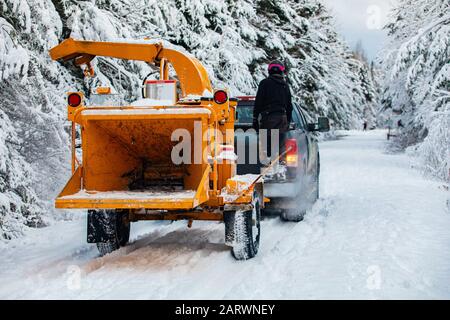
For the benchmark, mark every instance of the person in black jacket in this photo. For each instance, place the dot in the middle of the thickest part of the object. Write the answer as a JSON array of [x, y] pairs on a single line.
[[273, 104]]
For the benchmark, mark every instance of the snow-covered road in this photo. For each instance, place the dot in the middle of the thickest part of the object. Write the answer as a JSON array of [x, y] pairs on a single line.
[[380, 230]]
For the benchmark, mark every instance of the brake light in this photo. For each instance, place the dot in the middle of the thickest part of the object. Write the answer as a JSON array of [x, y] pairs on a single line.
[[220, 97], [291, 153], [74, 100]]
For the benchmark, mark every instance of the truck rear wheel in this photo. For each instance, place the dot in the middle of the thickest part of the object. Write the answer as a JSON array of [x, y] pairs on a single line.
[[293, 215], [242, 231], [298, 214], [109, 229]]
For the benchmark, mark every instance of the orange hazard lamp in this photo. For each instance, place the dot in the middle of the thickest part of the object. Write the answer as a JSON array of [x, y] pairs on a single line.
[[103, 90]]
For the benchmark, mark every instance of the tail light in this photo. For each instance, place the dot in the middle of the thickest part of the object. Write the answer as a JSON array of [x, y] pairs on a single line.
[[220, 97], [291, 153], [74, 100]]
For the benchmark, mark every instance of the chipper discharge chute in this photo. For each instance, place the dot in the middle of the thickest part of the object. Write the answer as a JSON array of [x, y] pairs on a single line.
[[169, 156]]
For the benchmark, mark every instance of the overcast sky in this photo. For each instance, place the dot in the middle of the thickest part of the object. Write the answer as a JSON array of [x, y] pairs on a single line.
[[362, 20]]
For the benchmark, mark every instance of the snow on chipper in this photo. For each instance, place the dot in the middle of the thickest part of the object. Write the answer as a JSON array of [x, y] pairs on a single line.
[[169, 156]]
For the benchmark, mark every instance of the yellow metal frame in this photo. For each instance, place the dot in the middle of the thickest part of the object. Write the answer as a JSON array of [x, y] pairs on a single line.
[[193, 80], [191, 73]]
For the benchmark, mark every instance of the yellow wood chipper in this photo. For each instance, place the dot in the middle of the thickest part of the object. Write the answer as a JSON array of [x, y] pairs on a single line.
[[130, 167]]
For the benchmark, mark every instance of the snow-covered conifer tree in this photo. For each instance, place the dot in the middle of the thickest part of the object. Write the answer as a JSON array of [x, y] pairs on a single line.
[[234, 39], [417, 84]]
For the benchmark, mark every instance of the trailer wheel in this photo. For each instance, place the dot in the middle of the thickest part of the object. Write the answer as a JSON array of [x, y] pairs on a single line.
[[242, 231], [109, 229]]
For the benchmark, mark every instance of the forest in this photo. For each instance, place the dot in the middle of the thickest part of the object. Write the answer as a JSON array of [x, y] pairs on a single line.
[[234, 39]]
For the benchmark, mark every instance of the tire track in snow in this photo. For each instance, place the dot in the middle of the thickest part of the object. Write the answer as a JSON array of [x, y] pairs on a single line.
[[374, 212]]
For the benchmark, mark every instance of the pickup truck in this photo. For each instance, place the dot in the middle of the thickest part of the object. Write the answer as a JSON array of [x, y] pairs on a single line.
[[293, 184]]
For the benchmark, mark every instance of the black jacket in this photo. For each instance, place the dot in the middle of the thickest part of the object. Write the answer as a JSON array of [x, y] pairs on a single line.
[[273, 95]]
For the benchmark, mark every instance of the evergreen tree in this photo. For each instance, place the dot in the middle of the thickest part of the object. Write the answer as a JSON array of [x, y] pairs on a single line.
[[417, 83], [234, 39]]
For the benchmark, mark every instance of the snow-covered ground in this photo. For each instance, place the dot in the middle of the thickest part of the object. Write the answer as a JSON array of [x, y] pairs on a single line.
[[380, 230]]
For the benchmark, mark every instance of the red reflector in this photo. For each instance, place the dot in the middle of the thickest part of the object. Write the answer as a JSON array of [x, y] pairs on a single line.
[[220, 97], [74, 100]]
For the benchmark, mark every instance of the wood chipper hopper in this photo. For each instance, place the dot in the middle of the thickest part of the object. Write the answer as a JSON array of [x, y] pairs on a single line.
[[169, 156]]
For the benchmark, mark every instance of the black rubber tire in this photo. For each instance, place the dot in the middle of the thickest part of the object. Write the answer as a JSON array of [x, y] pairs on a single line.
[[239, 231], [292, 215], [297, 215], [117, 226]]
